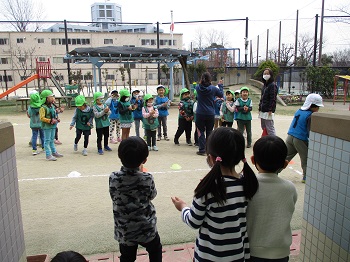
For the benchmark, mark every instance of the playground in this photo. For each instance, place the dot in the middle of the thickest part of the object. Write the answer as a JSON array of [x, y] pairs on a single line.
[[66, 204]]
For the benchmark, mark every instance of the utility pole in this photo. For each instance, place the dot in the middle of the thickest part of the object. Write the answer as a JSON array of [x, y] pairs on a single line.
[[321, 35], [267, 45], [296, 39], [67, 50]]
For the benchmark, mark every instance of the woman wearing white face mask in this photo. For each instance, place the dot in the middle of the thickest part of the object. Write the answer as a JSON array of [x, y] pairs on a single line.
[[267, 105]]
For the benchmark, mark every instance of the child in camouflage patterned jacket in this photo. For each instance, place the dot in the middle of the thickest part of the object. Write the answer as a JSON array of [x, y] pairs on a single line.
[[132, 191]]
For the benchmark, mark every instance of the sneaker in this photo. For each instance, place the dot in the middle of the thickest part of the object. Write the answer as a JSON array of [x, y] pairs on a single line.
[[35, 152], [166, 138], [75, 147], [100, 151], [84, 152], [56, 154], [51, 158], [57, 142], [149, 148], [113, 141], [158, 139], [155, 148], [119, 139], [107, 148], [189, 143], [176, 142], [303, 180], [200, 153], [196, 144]]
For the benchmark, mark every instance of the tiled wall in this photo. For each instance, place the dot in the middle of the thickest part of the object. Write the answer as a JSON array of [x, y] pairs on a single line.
[[326, 216], [12, 247]]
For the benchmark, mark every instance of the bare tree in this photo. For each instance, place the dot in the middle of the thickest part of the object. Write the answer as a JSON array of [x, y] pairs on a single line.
[[286, 54], [199, 38], [21, 12], [343, 10], [341, 57], [306, 50]]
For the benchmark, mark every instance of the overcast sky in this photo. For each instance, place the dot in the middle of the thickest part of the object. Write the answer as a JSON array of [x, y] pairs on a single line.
[[262, 15]]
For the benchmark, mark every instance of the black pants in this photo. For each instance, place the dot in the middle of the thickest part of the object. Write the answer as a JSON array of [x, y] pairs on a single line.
[[86, 133], [186, 126], [154, 249], [104, 131], [205, 125], [195, 135], [56, 133], [151, 137], [229, 124]]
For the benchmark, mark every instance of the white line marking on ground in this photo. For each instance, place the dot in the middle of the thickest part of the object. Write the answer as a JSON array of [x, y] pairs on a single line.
[[78, 175]]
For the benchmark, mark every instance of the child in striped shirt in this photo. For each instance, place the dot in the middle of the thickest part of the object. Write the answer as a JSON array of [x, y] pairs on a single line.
[[220, 202]]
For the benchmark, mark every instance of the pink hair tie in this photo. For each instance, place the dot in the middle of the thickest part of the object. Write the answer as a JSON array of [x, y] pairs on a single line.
[[244, 160], [218, 159]]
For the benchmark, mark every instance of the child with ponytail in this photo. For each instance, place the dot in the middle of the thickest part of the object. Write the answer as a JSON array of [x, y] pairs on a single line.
[[220, 200]]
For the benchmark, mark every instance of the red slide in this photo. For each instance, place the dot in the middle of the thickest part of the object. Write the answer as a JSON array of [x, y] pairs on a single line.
[[24, 82]]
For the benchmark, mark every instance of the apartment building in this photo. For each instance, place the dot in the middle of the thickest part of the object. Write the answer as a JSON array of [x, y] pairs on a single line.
[[19, 51]]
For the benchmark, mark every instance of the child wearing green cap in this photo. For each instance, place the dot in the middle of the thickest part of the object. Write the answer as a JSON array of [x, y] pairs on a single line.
[[83, 121], [150, 122], [227, 109], [125, 113], [185, 117], [162, 103], [35, 123], [49, 120], [101, 113], [244, 107]]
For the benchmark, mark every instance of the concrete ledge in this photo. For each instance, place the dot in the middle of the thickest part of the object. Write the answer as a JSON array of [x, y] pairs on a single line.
[[7, 136], [331, 124]]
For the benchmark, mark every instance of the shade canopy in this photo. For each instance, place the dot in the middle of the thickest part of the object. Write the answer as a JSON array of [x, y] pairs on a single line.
[[124, 54]]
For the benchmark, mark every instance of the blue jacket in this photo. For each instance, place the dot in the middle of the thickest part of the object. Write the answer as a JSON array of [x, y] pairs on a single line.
[[205, 97], [137, 113], [113, 106], [163, 111], [300, 126]]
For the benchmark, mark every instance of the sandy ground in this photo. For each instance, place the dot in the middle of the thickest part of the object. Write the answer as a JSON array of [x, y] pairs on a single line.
[[66, 204]]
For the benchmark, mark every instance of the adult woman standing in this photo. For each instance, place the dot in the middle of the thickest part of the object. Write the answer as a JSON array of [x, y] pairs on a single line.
[[267, 105], [205, 112]]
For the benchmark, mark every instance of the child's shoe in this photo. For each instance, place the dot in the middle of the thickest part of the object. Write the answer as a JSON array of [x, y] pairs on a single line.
[[119, 139], [57, 142], [75, 147], [155, 148], [149, 148], [189, 143], [35, 152], [107, 148], [176, 142], [100, 151], [56, 154], [84, 152], [113, 141], [51, 158], [166, 138], [158, 139]]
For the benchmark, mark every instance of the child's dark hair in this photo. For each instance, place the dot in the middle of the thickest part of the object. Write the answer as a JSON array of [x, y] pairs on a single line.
[[205, 79], [228, 144], [122, 99], [68, 256], [270, 153], [132, 151]]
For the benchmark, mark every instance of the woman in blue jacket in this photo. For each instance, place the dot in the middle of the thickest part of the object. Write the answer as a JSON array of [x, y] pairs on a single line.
[[205, 113]]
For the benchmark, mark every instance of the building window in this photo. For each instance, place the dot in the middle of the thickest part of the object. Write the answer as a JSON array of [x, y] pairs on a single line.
[[57, 60], [108, 41], [87, 77], [74, 41], [19, 40], [53, 41], [110, 77], [21, 59], [42, 59], [59, 77], [3, 41], [109, 13], [153, 42], [40, 40], [4, 61], [23, 78], [150, 76], [145, 42], [7, 78], [132, 65], [101, 13]]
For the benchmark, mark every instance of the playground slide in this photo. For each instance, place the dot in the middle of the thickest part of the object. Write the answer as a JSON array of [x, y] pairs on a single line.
[[24, 82], [57, 85]]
